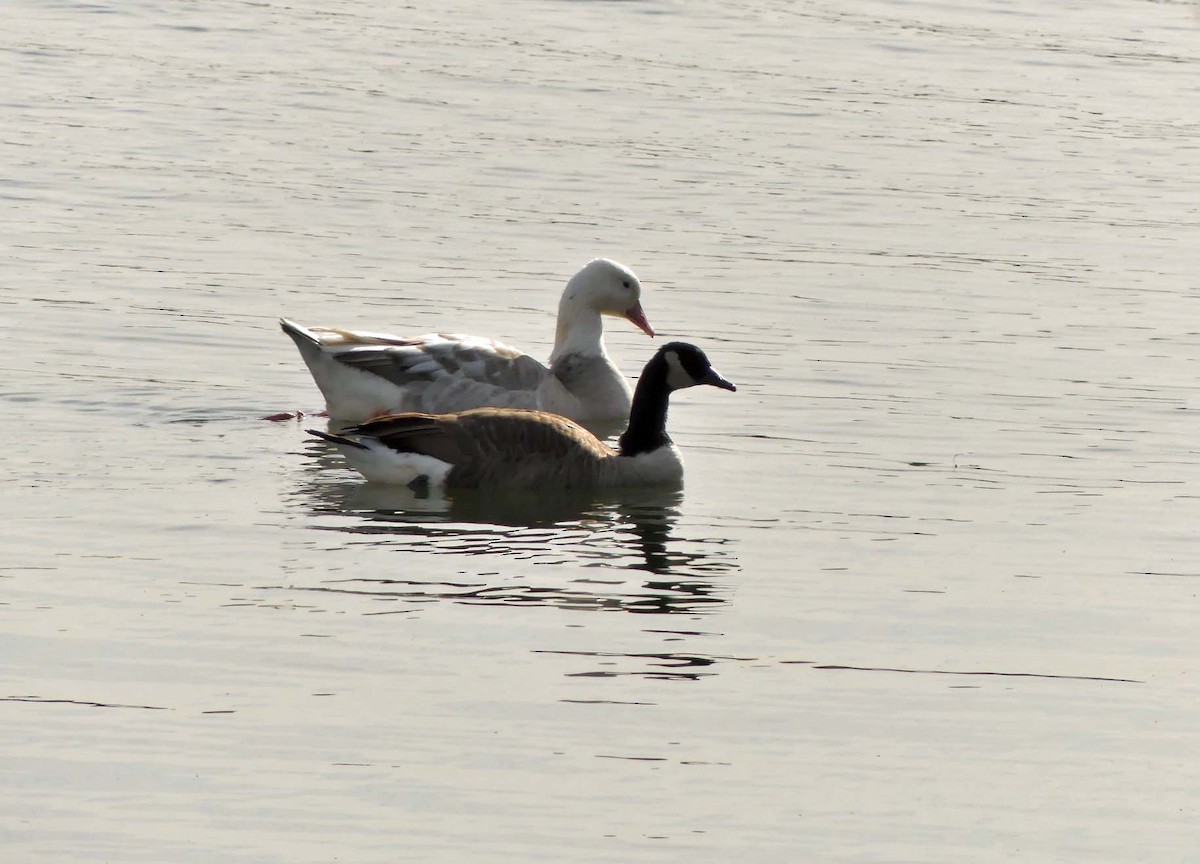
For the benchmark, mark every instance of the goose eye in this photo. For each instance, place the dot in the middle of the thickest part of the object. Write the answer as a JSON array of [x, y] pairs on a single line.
[[626, 284]]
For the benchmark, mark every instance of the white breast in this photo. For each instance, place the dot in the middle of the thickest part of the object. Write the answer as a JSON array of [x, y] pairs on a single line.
[[661, 467]]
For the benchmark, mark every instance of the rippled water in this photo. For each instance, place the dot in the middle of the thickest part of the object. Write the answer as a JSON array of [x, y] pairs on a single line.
[[930, 593]]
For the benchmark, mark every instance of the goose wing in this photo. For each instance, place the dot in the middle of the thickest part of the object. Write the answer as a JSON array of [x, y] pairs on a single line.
[[408, 360], [495, 446], [500, 434]]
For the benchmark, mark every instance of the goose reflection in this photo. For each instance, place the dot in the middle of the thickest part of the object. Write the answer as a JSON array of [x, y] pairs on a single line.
[[613, 550]]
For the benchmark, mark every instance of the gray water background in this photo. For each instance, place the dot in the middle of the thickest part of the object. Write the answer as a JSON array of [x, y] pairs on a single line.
[[930, 593]]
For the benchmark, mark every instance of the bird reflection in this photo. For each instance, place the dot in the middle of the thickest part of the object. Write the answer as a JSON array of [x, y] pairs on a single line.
[[595, 534]]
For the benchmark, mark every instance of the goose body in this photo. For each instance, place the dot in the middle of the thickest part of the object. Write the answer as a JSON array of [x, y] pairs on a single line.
[[363, 375], [515, 449]]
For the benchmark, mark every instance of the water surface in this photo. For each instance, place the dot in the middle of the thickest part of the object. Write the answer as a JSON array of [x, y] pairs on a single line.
[[930, 591]]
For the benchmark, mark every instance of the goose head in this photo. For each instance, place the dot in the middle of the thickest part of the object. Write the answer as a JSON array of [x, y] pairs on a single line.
[[675, 366], [607, 288], [684, 365]]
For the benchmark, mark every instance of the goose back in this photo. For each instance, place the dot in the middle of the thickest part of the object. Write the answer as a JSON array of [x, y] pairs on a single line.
[[404, 361], [498, 447]]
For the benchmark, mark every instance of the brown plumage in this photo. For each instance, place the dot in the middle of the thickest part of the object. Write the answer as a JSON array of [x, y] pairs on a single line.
[[497, 446]]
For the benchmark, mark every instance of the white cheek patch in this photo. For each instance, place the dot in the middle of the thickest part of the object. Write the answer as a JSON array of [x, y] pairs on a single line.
[[677, 376]]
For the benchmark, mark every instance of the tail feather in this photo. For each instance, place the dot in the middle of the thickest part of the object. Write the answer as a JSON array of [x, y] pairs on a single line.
[[297, 332], [337, 439], [310, 348], [380, 463], [397, 424]]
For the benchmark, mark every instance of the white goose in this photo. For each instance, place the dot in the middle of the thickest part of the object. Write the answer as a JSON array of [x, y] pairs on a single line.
[[512, 449], [363, 375]]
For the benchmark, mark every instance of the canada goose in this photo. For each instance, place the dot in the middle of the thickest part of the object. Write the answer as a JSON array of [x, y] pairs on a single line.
[[507, 448], [363, 375]]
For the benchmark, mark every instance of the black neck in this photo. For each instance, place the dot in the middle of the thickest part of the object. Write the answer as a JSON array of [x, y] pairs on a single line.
[[648, 414]]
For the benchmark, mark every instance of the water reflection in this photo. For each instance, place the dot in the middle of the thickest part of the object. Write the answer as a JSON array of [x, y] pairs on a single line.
[[619, 550], [660, 666]]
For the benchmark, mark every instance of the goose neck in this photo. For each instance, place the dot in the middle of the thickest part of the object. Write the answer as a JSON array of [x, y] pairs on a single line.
[[647, 428], [579, 330]]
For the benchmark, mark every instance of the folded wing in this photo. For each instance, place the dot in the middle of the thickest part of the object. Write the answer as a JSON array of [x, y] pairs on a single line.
[[429, 357], [496, 446]]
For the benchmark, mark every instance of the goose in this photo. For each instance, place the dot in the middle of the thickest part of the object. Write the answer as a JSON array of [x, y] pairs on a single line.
[[363, 375], [518, 449]]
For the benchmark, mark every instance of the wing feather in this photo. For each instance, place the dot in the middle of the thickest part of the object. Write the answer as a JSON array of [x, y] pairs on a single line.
[[497, 446], [404, 361]]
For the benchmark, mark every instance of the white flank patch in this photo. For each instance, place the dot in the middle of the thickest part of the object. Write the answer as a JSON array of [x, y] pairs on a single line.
[[352, 394], [380, 464]]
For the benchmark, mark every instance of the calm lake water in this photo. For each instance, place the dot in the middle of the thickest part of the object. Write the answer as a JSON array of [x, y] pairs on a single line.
[[930, 594]]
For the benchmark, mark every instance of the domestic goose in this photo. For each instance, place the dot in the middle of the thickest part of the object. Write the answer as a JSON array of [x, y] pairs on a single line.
[[515, 449], [363, 375]]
